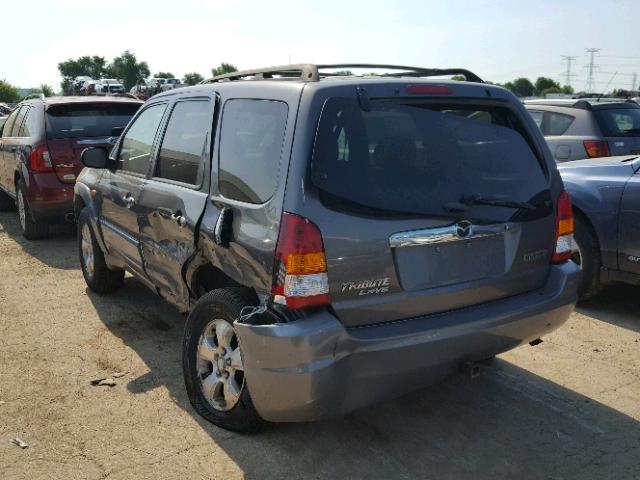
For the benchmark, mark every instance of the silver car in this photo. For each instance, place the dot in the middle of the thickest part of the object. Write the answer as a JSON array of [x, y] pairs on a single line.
[[588, 128]]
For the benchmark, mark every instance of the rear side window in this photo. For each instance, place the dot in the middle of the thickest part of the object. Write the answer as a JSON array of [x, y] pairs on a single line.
[[8, 126], [251, 141], [17, 126], [75, 120], [557, 123], [619, 122], [423, 158], [182, 152], [137, 143], [537, 116], [30, 125]]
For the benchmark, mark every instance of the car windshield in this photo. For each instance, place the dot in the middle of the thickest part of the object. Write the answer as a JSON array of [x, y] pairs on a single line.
[[619, 122], [394, 158], [88, 120]]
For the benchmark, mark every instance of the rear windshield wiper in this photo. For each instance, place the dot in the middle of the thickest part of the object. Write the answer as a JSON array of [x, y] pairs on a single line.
[[631, 130], [496, 202]]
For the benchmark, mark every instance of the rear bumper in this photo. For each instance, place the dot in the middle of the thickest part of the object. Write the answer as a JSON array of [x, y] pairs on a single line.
[[48, 197], [315, 368]]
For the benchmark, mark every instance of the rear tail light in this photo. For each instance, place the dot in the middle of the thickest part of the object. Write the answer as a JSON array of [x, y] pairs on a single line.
[[300, 272], [40, 160], [596, 148], [429, 90], [564, 229]]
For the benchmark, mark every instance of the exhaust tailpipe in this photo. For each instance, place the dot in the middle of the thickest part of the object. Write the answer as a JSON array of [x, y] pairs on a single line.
[[470, 369]]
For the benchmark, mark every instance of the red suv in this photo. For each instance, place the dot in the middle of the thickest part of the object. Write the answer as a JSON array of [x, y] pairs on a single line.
[[40, 147]]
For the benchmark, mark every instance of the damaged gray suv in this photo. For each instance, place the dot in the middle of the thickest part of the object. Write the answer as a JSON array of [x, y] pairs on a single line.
[[335, 240]]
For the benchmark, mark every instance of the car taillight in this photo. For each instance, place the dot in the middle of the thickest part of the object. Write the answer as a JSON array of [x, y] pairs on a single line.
[[596, 148], [40, 160], [564, 229], [300, 272]]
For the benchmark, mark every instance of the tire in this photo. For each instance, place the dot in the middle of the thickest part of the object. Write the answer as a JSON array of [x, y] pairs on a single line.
[[588, 257], [227, 402], [6, 202], [31, 229], [99, 277]]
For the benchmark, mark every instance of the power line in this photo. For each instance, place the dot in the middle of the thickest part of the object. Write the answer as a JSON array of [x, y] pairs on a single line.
[[591, 68], [568, 74]]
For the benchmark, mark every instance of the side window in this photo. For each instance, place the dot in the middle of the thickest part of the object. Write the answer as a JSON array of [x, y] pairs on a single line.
[[251, 141], [136, 145], [181, 156], [30, 123], [558, 123], [6, 130], [537, 117], [15, 129]]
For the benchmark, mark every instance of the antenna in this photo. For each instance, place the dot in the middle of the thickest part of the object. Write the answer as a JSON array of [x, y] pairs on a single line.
[[568, 75], [591, 68], [607, 86]]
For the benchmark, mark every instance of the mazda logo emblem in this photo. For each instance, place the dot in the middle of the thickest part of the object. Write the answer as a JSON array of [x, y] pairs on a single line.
[[463, 229]]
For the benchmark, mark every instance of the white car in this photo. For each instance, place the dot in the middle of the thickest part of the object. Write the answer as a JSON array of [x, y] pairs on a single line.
[[109, 86]]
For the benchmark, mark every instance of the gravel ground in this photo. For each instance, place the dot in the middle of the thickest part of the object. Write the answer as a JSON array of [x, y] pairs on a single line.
[[568, 408]]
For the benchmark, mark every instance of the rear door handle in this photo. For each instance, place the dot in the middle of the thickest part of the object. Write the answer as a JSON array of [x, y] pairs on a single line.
[[176, 217], [129, 201]]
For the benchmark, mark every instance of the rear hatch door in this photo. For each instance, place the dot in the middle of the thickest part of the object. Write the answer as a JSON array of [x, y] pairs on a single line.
[[620, 125], [72, 127], [434, 206]]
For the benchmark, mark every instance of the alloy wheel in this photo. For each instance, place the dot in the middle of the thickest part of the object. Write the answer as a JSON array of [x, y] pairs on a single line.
[[219, 364], [86, 246]]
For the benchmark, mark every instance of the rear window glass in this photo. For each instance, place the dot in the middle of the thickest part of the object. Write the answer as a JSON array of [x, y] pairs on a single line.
[[88, 120], [423, 158], [251, 141], [619, 122]]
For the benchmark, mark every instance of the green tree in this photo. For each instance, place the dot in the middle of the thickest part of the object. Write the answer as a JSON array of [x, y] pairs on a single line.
[[568, 89], [223, 68], [127, 68], [164, 75], [46, 90], [458, 78], [545, 83], [549, 90], [8, 93], [522, 87], [90, 66], [192, 78]]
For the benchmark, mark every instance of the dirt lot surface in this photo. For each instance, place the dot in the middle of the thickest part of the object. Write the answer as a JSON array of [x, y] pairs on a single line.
[[566, 409]]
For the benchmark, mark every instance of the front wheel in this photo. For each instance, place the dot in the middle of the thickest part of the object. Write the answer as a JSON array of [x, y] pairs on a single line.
[[212, 363], [99, 277], [586, 253]]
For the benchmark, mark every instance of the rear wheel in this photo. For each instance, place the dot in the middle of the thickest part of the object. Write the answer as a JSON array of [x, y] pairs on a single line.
[[31, 229], [212, 363], [99, 277], [586, 253]]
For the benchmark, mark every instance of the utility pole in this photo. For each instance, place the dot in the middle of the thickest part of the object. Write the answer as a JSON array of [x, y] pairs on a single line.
[[568, 75], [591, 69]]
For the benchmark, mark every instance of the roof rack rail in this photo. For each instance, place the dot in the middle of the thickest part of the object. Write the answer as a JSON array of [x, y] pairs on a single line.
[[308, 72], [39, 96]]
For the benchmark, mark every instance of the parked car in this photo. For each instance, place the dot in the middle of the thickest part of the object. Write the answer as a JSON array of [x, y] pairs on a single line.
[[109, 86], [409, 227], [172, 83], [605, 193], [89, 87], [79, 84], [40, 146], [2, 120], [588, 128]]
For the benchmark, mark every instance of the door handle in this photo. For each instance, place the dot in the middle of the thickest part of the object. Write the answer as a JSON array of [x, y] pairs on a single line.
[[176, 217], [129, 201], [222, 232]]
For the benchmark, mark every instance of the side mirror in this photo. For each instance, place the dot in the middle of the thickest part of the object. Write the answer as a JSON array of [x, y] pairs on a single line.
[[95, 157]]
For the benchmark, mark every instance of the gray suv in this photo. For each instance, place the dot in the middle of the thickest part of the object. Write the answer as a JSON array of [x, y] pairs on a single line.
[[588, 128], [335, 240]]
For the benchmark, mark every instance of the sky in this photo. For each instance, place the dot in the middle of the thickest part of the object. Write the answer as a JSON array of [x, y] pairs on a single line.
[[499, 40]]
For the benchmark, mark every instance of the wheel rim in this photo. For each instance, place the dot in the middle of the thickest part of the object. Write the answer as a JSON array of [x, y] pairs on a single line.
[[87, 250], [576, 252], [219, 364], [22, 214]]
